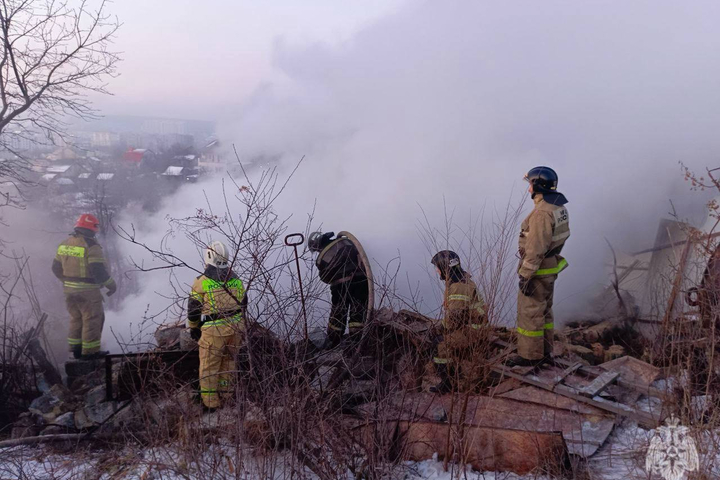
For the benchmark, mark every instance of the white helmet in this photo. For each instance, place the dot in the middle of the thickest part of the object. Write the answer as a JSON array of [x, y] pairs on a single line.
[[216, 254]]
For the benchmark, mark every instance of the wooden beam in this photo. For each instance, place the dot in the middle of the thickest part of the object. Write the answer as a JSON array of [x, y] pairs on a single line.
[[675, 244], [599, 384], [568, 371], [641, 417]]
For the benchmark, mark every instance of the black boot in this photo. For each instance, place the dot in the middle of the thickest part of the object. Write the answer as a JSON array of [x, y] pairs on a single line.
[[95, 356], [445, 386], [76, 352], [518, 361]]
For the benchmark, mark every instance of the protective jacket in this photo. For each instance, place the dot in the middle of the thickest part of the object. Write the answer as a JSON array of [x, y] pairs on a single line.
[[80, 264], [219, 296], [462, 332], [217, 304], [542, 236], [340, 262], [463, 305]]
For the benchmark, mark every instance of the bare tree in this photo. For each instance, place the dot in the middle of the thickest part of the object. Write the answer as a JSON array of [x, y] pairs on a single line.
[[53, 54]]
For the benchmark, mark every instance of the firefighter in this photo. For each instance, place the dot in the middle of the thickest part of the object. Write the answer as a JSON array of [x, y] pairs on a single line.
[[80, 264], [459, 335], [340, 266], [216, 317], [542, 237]]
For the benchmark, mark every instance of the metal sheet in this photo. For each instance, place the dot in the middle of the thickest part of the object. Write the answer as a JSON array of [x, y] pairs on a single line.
[[532, 410], [485, 449]]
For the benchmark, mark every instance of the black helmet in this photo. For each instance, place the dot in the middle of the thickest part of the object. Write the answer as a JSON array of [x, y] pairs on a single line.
[[445, 260], [543, 179], [318, 240]]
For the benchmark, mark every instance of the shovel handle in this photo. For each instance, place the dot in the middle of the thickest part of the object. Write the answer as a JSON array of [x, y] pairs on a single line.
[[291, 240]]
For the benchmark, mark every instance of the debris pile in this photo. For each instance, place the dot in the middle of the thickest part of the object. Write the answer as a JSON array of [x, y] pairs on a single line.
[[517, 419]]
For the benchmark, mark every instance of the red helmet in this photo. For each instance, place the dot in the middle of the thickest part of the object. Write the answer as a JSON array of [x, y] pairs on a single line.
[[88, 221]]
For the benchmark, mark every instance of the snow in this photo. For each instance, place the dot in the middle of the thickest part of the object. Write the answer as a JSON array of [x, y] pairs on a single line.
[[173, 171], [64, 181], [105, 176], [39, 463], [433, 470], [48, 176], [58, 169], [84, 176], [623, 456]]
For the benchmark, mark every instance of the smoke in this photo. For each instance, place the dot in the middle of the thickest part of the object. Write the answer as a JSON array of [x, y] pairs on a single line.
[[443, 106]]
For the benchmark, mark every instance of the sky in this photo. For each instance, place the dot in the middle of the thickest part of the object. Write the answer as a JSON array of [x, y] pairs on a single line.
[[183, 59]]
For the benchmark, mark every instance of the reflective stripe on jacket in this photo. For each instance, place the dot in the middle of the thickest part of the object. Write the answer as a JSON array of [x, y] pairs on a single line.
[[80, 264], [464, 307], [542, 237], [221, 303]]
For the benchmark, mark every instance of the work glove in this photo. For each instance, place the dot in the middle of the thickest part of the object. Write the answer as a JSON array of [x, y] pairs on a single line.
[[524, 285], [111, 288], [195, 334]]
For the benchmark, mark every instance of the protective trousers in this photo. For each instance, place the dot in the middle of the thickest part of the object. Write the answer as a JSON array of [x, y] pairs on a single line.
[[86, 320], [349, 306], [462, 351], [535, 325], [218, 349]]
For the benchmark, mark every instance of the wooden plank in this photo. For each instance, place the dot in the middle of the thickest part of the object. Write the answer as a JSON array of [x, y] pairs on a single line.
[[645, 390], [500, 356], [599, 384], [641, 417], [585, 370], [568, 371]]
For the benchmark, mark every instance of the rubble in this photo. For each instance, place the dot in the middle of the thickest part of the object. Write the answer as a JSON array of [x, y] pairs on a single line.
[[53, 403], [516, 420], [27, 425]]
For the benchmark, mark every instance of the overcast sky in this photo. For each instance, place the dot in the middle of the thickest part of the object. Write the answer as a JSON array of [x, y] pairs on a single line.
[[190, 59]]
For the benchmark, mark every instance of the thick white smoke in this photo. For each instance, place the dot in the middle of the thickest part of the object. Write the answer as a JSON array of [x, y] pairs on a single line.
[[448, 104]]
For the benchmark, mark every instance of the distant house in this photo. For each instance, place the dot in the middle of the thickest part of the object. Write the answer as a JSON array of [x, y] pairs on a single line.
[[187, 161], [140, 157], [212, 153], [181, 173], [173, 171], [105, 139], [134, 155], [70, 171], [58, 169]]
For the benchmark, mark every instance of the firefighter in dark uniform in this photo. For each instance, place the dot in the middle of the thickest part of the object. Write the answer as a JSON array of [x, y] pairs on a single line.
[[339, 265], [460, 335]]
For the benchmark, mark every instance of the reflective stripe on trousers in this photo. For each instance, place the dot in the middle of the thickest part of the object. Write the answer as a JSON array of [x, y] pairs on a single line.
[[536, 333]]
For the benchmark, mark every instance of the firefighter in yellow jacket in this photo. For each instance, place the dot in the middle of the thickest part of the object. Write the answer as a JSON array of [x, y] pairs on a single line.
[[80, 264], [216, 316], [542, 237], [460, 334]]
